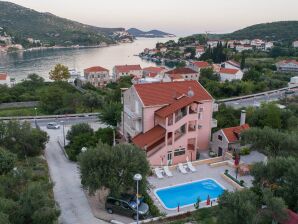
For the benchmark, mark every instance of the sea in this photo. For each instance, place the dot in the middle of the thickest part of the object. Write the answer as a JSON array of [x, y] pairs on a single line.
[[19, 64]]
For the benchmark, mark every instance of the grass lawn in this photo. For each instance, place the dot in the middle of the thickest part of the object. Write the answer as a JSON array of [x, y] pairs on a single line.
[[13, 112]]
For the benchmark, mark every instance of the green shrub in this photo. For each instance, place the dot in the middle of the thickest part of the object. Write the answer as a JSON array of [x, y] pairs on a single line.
[[154, 211], [244, 151]]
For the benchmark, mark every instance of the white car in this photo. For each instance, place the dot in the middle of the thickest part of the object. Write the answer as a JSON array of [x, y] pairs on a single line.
[[53, 125]]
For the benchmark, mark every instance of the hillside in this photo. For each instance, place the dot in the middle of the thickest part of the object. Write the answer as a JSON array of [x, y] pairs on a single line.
[[22, 23], [278, 31], [152, 33]]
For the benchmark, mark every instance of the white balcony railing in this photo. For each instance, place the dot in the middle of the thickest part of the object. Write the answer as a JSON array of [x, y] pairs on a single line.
[[214, 123], [132, 131], [132, 114]]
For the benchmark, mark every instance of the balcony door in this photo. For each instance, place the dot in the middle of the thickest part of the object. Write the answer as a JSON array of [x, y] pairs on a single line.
[[170, 158]]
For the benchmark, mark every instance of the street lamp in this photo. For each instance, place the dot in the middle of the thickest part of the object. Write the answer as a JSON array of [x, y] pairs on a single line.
[[137, 177], [62, 123], [84, 149], [35, 111]]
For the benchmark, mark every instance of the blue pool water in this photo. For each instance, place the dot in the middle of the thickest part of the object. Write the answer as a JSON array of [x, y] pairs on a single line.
[[187, 194]]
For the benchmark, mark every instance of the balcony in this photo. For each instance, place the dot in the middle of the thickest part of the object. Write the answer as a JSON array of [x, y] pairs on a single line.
[[132, 114], [132, 131], [215, 107], [213, 123]]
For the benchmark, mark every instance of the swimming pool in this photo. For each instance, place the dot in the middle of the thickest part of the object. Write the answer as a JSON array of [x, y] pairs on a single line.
[[187, 194]]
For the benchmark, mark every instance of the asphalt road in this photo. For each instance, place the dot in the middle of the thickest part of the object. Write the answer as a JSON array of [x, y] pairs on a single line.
[[66, 120], [67, 183], [257, 100]]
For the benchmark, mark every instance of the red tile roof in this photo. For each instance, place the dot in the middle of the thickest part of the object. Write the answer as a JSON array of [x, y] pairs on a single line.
[[176, 105], [174, 77], [288, 61], [201, 64], [150, 137], [127, 68], [3, 76], [230, 71], [234, 63], [153, 94], [181, 71], [292, 218], [153, 69], [95, 69], [233, 133]]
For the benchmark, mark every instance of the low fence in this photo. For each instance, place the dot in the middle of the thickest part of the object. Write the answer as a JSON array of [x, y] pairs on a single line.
[[27, 104]]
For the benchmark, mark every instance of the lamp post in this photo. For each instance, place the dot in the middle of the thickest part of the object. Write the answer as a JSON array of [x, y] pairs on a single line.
[[137, 177], [35, 111], [62, 123]]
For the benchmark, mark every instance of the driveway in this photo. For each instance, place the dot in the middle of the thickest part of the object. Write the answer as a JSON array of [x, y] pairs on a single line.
[[67, 185]]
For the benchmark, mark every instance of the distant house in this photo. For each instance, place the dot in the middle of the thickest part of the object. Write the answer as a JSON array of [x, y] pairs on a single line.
[[4, 79], [97, 76], [152, 72], [269, 45], [231, 64], [181, 74], [200, 50], [127, 70], [227, 139], [243, 47], [258, 44], [293, 82], [287, 66], [295, 43], [198, 65], [212, 43], [230, 74]]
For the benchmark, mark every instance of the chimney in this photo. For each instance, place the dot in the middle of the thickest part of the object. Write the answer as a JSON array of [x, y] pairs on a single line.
[[242, 117]]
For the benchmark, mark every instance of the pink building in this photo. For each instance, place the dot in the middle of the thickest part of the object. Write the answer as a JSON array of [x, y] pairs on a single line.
[[97, 76], [171, 121]]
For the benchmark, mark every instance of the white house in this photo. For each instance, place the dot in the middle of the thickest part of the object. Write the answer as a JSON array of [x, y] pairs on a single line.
[[295, 43], [4, 79], [269, 45], [287, 66], [198, 65], [293, 82], [230, 74], [228, 139], [243, 47]]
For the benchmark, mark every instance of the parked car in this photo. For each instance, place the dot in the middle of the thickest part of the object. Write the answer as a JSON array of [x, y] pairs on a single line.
[[53, 125], [126, 205]]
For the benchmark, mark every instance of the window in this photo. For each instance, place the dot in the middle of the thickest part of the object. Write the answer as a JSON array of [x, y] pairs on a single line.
[[219, 137], [179, 152]]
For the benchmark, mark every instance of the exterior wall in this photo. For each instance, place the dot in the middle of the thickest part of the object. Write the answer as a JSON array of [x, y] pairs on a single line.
[[148, 118], [295, 43], [228, 65], [136, 73], [132, 113], [193, 76], [216, 143], [200, 137], [98, 79], [229, 77], [5, 82], [289, 67]]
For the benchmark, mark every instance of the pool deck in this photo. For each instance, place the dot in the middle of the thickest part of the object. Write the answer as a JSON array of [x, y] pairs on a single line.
[[204, 171]]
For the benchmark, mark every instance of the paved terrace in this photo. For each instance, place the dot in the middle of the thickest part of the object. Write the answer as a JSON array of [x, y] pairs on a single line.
[[204, 171]]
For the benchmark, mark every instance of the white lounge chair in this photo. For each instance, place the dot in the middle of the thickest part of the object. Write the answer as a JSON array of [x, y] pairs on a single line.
[[167, 171], [181, 168], [191, 167], [158, 173]]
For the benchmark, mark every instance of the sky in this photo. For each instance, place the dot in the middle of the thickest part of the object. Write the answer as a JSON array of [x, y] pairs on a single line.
[[180, 17]]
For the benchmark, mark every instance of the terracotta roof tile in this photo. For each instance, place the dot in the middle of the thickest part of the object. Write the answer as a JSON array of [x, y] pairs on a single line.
[[3, 76], [127, 68], [95, 69], [230, 71], [181, 71], [150, 137], [233, 133], [176, 105], [153, 69], [153, 94], [201, 64]]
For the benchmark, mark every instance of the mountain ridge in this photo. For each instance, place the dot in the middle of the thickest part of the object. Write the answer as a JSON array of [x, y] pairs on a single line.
[[149, 34], [22, 23]]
